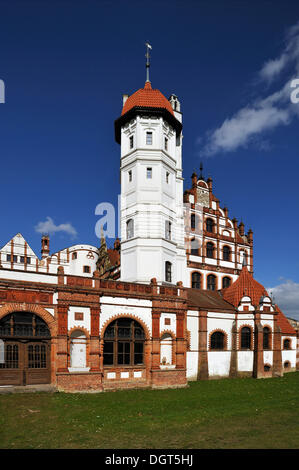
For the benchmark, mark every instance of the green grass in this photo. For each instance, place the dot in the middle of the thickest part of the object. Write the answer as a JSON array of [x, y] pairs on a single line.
[[229, 413]]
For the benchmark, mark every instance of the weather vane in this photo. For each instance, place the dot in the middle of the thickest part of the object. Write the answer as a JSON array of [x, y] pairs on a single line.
[[147, 55]]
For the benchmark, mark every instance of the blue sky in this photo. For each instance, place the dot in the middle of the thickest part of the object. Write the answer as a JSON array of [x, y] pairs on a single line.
[[66, 64]]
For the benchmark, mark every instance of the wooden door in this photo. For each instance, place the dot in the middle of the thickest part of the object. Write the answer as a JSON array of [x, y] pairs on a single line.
[[26, 363]]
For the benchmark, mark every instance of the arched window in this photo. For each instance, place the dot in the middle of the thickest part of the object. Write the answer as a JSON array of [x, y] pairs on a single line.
[[211, 282], [124, 343], [226, 281], [168, 270], [217, 340], [226, 253], [196, 280], [266, 337], [130, 228], [286, 344], [210, 250], [24, 324], [193, 221], [245, 338], [287, 364], [210, 225]]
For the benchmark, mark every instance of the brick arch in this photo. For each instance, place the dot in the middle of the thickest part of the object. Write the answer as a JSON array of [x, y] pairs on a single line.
[[31, 308], [270, 335], [173, 344], [78, 328], [125, 315], [225, 343], [167, 332], [246, 325]]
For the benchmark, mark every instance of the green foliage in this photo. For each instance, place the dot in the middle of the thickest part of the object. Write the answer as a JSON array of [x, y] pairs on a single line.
[[228, 413]]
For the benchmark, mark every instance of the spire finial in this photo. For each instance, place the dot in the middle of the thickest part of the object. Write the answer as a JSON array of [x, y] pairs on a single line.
[[201, 168], [147, 55]]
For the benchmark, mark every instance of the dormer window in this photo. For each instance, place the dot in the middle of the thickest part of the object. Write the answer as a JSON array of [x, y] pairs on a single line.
[[149, 138]]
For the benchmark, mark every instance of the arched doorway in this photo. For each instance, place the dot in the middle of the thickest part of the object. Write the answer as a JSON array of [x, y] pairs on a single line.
[[27, 348]]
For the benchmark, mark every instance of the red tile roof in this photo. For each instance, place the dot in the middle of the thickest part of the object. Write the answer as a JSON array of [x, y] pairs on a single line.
[[283, 323], [244, 285], [147, 98]]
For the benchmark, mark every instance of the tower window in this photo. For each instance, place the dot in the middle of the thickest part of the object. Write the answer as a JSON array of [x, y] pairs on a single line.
[[166, 143], [130, 228], [168, 271], [131, 141], [74, 255], [167, 177], [149, 138], [86, 269], [149, 173], [130, 175], [168, 230]]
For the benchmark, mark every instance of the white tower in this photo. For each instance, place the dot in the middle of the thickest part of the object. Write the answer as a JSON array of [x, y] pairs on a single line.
[[152, 220]]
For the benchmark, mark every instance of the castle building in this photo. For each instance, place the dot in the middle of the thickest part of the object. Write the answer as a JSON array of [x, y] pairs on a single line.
[[174, 300]]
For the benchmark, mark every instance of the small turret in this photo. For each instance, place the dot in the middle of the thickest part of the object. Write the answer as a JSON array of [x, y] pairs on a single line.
[[45, 251]]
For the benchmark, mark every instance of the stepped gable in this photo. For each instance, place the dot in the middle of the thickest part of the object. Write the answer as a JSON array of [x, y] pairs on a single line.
[[244, 285]]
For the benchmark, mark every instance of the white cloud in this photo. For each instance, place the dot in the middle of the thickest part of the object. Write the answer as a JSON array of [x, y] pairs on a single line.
[[266, 113], [272, 68], [286, 296], [49, 227]]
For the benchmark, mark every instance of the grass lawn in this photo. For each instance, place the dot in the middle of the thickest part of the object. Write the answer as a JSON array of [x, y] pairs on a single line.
[[216, 414]]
